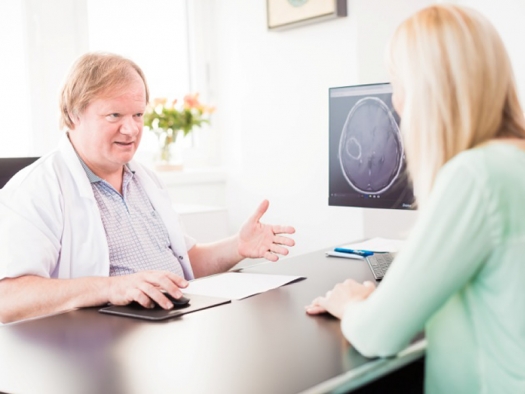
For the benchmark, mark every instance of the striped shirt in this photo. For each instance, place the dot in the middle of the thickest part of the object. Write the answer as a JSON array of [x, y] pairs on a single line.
[[137, 238]]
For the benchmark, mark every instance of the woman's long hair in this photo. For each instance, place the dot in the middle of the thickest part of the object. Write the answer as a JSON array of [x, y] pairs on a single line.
[[450, 67]]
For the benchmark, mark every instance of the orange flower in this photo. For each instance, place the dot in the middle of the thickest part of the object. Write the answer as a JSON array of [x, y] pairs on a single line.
[[164, 117], [172, 105], [207, 109], [159, 101], [192, 101]]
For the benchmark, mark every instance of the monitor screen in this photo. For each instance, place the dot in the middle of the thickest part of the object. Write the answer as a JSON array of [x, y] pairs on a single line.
[[10, 166], [367, 166]]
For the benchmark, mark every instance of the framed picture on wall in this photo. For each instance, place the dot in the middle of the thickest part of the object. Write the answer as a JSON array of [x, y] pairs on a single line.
[[283, 14]]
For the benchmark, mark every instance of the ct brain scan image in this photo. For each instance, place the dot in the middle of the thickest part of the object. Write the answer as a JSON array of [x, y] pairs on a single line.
[[370, 148]]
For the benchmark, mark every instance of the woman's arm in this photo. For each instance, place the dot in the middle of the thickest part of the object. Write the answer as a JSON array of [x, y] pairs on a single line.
[[448, 245]]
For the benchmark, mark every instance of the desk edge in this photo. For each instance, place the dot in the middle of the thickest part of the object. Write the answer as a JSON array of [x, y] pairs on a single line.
[[369, 372]]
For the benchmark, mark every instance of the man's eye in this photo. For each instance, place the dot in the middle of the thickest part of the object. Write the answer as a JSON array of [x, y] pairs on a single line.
[[139, 115], [113, 116]]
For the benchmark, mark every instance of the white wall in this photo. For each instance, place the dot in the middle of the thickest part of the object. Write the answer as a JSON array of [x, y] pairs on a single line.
[[271, 90], [507, 17], [56, 34], [14, 106], [39, 40]]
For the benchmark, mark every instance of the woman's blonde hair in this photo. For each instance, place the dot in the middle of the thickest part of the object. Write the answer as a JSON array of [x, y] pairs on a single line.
[[458, 88], [92, 76]]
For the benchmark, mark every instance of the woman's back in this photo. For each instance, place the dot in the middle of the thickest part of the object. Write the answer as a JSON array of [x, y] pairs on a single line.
[[461, 273], [459, 276], [476, 341]]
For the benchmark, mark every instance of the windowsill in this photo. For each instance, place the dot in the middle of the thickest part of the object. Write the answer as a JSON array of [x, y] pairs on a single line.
[[192, 176], [185, 209]]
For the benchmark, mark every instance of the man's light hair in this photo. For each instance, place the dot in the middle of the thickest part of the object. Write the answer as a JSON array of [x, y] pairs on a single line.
[[92, 76]]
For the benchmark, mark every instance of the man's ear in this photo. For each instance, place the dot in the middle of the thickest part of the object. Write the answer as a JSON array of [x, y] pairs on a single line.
[[75, 119]]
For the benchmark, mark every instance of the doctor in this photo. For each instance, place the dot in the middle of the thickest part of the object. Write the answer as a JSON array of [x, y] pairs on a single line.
[[86, 225]]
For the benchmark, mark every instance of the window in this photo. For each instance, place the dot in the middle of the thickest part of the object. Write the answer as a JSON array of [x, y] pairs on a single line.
[[41, 41], [15, 135], [155, 36]]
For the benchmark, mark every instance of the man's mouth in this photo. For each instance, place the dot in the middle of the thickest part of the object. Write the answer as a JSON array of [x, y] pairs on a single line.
[[124, 143]]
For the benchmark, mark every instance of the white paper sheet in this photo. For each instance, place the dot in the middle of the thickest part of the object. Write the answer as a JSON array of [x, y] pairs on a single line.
[[377, 244], [237, 285], [345, 255]]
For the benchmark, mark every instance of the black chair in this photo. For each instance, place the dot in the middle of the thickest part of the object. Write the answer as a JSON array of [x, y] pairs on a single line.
[[9, 166]]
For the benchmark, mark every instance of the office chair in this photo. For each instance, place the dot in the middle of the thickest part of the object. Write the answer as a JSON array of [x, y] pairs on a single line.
[[9, 166]]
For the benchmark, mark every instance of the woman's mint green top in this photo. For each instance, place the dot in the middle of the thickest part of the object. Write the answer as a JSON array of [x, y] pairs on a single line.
[[461, 277]]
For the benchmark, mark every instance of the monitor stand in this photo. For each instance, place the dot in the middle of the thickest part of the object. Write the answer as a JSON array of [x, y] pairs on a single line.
[[388, 223]]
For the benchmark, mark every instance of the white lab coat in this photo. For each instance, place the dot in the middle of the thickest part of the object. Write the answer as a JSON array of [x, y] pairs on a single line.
[[50, 223]]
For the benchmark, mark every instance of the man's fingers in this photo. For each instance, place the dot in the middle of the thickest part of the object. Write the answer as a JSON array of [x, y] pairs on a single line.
[[160, 299], [283, 241], [277, 229], [261, 210], [152, 284], [279, 249], [138, 296], [164, 279], [271, 256], [178, 280], [171, 284], [155, 295]]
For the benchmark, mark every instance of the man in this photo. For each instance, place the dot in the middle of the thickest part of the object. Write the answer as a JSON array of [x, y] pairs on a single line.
[[86, 225]]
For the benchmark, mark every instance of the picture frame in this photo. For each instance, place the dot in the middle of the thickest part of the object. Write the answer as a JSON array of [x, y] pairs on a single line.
[[285, 14]]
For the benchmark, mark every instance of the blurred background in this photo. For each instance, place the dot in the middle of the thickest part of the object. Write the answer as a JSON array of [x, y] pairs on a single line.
[[268, 137]]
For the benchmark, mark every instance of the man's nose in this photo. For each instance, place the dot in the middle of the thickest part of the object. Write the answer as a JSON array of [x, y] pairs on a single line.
[[129, 126]]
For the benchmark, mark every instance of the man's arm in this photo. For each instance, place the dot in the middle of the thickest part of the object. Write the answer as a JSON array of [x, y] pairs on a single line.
[[31, 296], [212, 258], [254, 240]]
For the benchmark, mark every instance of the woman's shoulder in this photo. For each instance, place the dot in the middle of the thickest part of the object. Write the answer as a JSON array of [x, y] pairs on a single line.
[[494, 170], [488, 160]]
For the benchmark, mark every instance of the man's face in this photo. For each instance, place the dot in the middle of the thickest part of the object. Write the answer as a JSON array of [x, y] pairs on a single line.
[[108, 132]]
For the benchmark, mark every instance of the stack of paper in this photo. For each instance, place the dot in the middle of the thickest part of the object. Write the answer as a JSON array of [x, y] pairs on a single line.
[[237, 285], [377, 244]]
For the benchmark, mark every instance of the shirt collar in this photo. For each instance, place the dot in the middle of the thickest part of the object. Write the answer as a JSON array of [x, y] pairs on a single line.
[[93, 178]]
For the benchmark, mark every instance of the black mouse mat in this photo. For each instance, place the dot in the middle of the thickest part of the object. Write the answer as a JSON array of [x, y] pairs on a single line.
[[197, 302]]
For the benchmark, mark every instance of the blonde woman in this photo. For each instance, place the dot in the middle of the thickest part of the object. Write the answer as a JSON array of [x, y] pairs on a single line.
[[461, 275]]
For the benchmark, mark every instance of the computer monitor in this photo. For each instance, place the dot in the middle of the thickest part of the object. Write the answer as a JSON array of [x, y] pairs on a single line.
[[367, 166], [9, 166]]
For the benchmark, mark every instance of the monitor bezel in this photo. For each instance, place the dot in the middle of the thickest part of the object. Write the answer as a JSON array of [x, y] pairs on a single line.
[[365, 201]]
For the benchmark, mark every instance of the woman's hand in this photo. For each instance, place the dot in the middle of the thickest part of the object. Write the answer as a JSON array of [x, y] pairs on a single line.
[[343, 294], [263, 240]]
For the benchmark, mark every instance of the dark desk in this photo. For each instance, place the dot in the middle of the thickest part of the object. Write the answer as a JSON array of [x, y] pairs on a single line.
[[263, 344]]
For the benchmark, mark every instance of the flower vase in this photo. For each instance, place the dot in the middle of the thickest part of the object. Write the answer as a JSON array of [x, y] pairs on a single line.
[[170, 153]]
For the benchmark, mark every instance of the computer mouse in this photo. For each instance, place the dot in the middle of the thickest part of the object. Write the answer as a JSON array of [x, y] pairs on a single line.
[[177, 302]]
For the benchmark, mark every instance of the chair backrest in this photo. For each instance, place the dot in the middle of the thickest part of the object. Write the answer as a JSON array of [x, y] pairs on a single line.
[[9, 166]]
